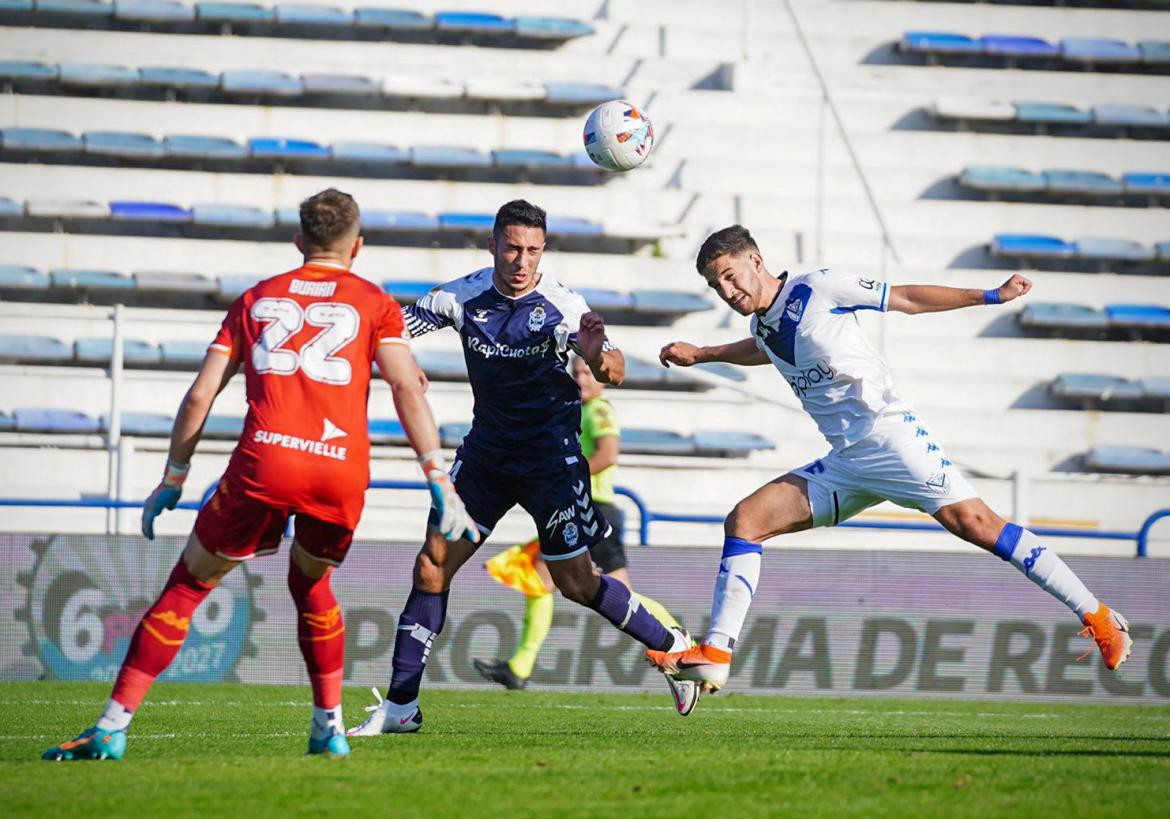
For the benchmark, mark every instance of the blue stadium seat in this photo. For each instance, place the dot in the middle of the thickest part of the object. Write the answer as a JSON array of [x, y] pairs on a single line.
[[669, 302], [154, 11], [1031, 244], [1141, 116], [470, 22], [600, 299], [729, 443], [387, 431], [36, 419], [998, 178], [40, 140], [449, 156], [1006, 45], [1162, 250], [311, 15], [1134, 460], [95, 9], [78, 279], [939, 42], [100, 351], [173, 282], [34, 349], [19, 277], [182, 354], [580, 93], [227, 427], [1138, 315], [281, 148], [1096, 50], [1094, 387], [149, 212], [1155, 52], [399, 220], [234, 13], [409, 290], [27, 70], [273, 83], [551, 28], [392, 19], [1125, 250], [1155, 388], [650, 441], [573, 226], [177, 77], [1150, 183], [230, 287], [16, 5], [1082, 182], [442, 365], [1049, 316], [238, 216], [123, 144], [474, 222], [7, 422], [530, 158], [10, 208], [141, 424], [66, 208], [451, 435], [96, 75], [1051, 113], [374, 153], [352, 85], [203, 147]]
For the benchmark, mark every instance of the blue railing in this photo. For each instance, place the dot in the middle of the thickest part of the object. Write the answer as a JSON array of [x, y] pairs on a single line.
[[647, 516]]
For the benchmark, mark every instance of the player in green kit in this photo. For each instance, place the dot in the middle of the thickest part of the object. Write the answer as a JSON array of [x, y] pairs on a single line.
[[521, 567]]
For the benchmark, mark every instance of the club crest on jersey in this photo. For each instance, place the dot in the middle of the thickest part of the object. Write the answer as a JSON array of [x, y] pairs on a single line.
[[536, 318], [570, 534], [938, 483], [794, 308]]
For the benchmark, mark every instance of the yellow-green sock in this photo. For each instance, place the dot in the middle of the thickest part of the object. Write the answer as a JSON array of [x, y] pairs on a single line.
[[538, 615], [658, 610]]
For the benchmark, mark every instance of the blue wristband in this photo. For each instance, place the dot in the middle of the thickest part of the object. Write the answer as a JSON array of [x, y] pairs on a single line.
[[991, 296]]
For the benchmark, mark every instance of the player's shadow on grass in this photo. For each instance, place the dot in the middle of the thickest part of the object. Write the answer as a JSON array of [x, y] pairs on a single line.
[[1032, 752]]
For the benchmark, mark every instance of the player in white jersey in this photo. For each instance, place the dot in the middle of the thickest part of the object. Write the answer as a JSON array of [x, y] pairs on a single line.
[[805, 325]]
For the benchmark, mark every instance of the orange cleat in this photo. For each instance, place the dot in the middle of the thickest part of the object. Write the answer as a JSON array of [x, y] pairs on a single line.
[[1111, 632], [704, 664]]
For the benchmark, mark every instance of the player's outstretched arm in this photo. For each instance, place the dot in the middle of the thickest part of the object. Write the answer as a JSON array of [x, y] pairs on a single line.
[[408, 386], [931, 298], [215, 372], [743, 352], [608, 366]]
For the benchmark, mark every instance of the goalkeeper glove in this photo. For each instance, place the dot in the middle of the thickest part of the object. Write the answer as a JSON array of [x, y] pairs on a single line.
[[165, 495], [454, 522]]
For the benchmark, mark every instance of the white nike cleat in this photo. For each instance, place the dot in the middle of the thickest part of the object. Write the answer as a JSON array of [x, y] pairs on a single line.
[[685, 692], [704, 664], [386, 717]]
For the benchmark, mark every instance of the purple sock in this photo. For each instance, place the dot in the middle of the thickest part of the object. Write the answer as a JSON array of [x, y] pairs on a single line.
[[615, 603], [422, 618]]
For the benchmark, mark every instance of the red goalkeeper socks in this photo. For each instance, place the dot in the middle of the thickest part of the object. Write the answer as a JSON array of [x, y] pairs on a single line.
[[320, 633]]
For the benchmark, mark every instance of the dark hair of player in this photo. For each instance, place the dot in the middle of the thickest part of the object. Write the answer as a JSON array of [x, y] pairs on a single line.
[[733, 240], [327, 217], [519, 212]]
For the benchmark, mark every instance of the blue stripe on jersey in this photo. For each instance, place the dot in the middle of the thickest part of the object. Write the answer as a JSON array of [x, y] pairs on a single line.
[[782, 341]]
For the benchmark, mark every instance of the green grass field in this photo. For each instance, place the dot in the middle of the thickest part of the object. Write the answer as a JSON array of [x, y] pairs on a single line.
[[235, 750]]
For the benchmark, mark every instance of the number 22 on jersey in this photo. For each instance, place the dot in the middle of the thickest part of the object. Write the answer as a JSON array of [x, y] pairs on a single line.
[[317, 359]]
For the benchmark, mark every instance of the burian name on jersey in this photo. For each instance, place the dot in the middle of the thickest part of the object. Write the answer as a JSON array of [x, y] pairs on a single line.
[[264, 436], [819, 374], [304, 288], [499, 350]]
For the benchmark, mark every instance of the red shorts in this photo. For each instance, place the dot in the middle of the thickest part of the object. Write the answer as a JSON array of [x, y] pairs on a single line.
[[235, 526]]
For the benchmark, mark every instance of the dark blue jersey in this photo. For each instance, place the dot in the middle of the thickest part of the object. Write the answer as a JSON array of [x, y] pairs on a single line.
[[527, 404]]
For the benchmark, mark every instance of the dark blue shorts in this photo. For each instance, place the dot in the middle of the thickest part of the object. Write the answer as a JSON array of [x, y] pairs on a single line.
[[555, 492]]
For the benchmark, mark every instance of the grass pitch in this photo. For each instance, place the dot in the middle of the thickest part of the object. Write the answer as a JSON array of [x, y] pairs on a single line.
[[235, 750]]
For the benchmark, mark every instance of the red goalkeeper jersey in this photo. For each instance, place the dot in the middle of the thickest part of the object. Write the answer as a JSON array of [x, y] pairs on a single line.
[[306, 340]]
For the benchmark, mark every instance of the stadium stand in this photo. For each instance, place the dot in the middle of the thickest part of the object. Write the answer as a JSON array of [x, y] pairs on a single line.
[[1106, 120], [1022, 185], [1029, 52], [1128, 459]]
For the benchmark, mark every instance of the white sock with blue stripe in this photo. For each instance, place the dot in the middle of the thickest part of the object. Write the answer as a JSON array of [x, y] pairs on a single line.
[[739, 576], [1044, 567]]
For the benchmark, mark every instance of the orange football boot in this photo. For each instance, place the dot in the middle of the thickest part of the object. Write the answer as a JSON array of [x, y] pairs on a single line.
[[704, 664], [1111, 632]]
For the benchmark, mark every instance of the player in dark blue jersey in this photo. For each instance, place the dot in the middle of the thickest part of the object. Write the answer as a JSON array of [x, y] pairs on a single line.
[[517, 328]]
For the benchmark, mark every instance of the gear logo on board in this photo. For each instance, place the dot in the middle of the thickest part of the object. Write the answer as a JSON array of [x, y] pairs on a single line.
[[86, 594]]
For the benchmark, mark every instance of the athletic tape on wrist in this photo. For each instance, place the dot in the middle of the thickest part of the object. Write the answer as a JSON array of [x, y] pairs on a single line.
[[432, 460], [175, 473], [991, 296]]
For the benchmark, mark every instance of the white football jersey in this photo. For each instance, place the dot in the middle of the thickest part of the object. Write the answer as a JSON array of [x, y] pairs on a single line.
[[812, 336]]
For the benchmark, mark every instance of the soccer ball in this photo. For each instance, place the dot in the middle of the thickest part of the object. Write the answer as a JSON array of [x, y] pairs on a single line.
[[618, 137]]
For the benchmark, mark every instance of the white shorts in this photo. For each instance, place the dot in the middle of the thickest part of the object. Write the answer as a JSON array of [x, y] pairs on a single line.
[[898, 461]]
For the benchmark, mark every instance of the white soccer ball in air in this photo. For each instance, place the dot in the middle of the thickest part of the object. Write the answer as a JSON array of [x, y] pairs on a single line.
[[618, 137]]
